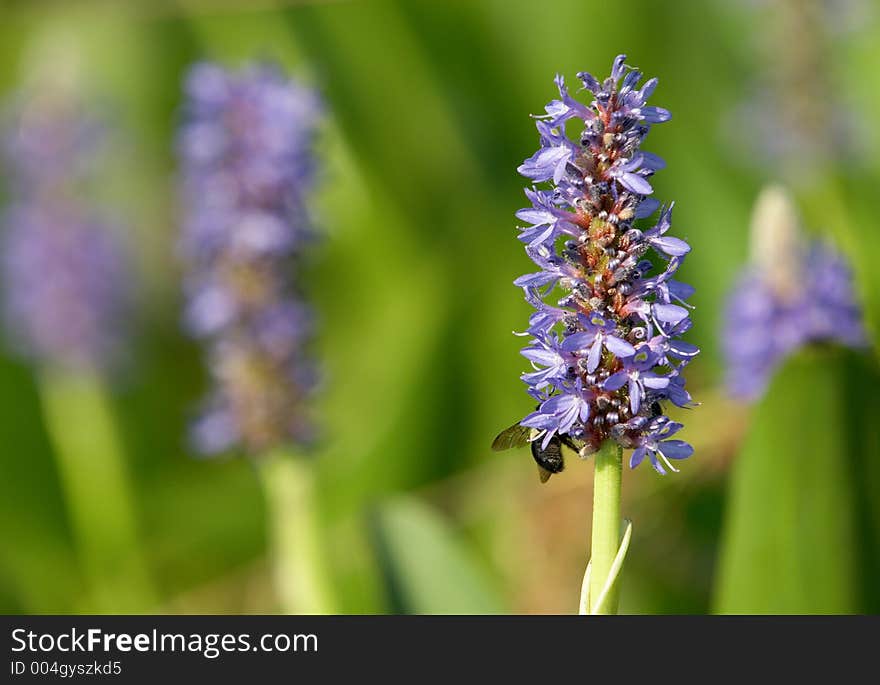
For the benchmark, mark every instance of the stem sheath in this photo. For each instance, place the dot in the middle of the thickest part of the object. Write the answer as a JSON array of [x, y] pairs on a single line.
[[296, 551], [606, 525], [93, 474]]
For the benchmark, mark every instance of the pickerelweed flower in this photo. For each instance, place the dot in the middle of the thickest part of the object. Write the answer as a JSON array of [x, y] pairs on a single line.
[[607, 353], [66, 281], [248, 169], [792, 294]]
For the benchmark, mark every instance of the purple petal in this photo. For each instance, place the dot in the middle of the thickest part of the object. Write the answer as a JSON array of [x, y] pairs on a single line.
[[559, 172], [539, 421], [655, 115], [635, 395], [545, 357], [669, 313], [594, 356], [683, 349], [615, 380], [675, 449], [630, 80], [539, 379], [618, 347], [542, 165], [652, 161], [566, 408], [671, 428], [590, 82], [654, 381], [570, 107], [635, 183], [678, 395], [647, 88], [578, 341], [536, 279], [584, 411], [646, 208], [535, 236], [674, 247], [618, 67], [680, 290], [632, 164], [536, 216], [637, 456], [557, 110], [542, 237]]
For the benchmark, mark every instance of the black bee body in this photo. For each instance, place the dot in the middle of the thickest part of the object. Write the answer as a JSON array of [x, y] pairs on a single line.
[[549, 459]]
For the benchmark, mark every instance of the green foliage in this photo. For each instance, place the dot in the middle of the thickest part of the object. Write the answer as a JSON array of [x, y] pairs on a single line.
[[801, 515], [426, 568]]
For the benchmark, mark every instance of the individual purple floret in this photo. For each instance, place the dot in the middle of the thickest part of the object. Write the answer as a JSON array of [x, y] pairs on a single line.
[[248, 170], [606, 353], [763, 324], [65, 273]]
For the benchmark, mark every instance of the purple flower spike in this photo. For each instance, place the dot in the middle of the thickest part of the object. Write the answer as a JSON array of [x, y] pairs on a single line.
[[65, 276], [606, 355], [247, 171]]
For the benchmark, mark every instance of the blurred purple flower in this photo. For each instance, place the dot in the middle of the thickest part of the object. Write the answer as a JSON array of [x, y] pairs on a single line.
[[66, 281], [605, 355], [247, 172], [763, 325]]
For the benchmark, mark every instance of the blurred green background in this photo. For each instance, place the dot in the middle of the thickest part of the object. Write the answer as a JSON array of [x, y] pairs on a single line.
[[429, 103]]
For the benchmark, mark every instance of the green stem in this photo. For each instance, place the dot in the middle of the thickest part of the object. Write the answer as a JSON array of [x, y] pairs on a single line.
[[299, 568], [606, 525], [94, 479]]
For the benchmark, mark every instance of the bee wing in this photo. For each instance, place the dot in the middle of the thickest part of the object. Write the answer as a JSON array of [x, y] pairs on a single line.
[[544, 474], [515, 436]]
